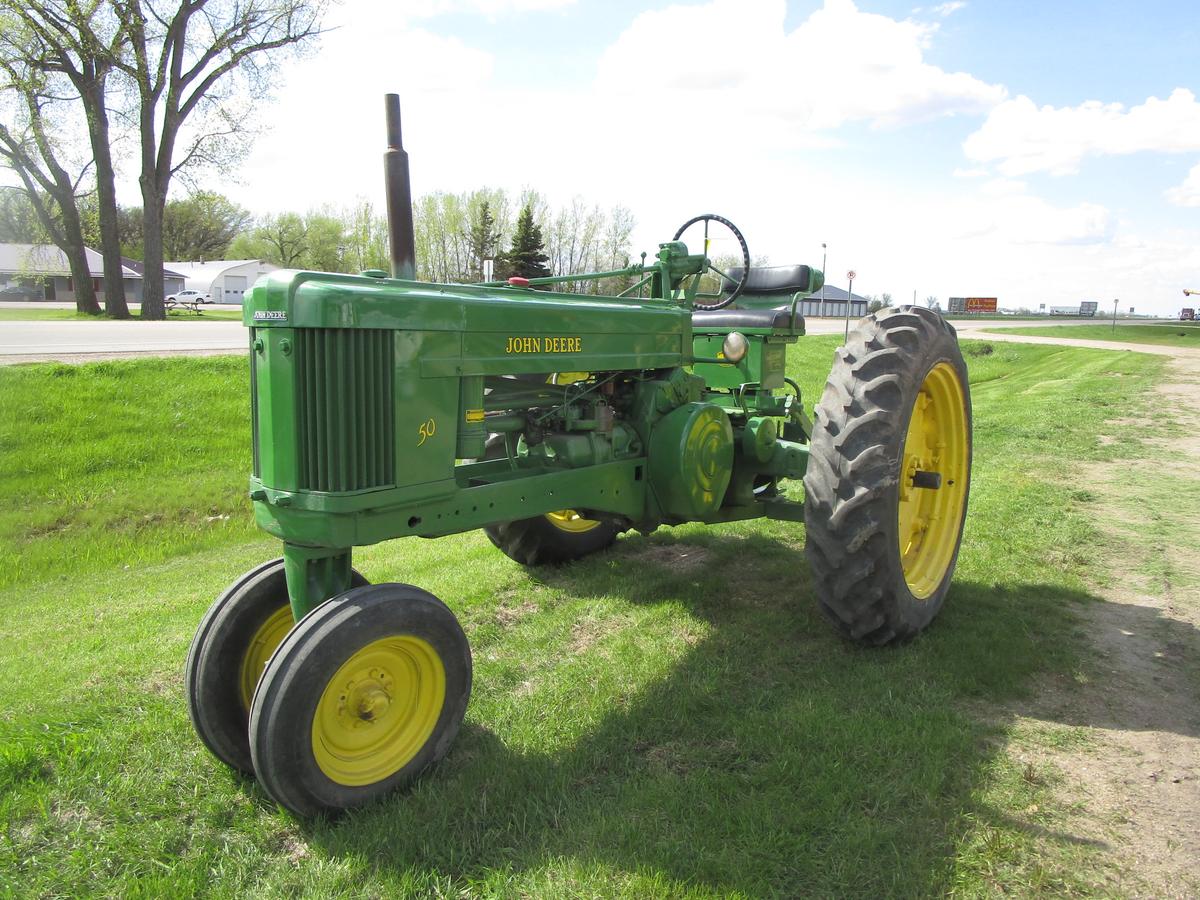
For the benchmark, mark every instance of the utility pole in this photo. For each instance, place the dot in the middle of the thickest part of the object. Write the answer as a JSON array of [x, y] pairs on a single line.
[[1114, 328], [849, 298], [823, 256]]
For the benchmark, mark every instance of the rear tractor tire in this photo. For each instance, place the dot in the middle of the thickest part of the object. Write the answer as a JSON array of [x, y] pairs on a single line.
[[231, 647], [553, 538], [556, 537], [889, 475]]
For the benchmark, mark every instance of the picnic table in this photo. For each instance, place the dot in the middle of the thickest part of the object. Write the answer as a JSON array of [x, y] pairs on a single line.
[[193, 305]]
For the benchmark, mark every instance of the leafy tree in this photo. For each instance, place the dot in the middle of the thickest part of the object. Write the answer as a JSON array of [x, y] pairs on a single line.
[[281, 239], [526, 258], [886, 299], [325, 248], [32, 148], [875, 305], [201, 226], [365, 239], [70, 47], [195, 67], [317, 240], [19, 223]]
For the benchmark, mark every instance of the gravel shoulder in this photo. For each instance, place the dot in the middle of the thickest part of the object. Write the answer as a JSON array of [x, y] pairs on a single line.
[[1130, 783]]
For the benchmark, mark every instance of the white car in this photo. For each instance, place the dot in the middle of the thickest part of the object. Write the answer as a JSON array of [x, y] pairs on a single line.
[[189, 298]]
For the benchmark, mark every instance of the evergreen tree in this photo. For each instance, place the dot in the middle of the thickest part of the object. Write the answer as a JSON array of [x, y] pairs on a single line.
[[527, 258], [482, 239]]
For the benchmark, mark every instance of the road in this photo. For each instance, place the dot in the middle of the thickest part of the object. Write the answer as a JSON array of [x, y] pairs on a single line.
[[81, 341]]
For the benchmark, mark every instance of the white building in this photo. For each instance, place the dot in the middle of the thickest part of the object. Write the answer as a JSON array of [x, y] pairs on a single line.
[[45, 273], [225, 280]]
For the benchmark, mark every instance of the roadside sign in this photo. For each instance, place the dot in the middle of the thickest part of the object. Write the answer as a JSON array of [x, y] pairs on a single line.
[[851, 275], [981, 304]]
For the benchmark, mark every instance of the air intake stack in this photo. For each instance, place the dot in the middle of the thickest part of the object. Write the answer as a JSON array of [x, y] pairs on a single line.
[[399, 196]]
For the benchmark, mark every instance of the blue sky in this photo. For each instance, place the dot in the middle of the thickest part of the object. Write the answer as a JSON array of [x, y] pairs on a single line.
[[1038, 151]]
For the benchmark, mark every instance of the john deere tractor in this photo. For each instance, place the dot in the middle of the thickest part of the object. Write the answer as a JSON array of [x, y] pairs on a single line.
[[384, 407]]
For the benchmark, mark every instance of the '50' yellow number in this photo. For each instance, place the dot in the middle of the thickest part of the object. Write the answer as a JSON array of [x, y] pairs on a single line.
[[427, 430]]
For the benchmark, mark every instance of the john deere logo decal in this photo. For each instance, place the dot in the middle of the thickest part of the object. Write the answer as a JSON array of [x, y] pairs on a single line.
[[274, 315], [546, 344]]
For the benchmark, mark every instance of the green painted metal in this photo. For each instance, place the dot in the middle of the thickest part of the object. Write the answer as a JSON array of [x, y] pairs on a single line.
[[372, 398]]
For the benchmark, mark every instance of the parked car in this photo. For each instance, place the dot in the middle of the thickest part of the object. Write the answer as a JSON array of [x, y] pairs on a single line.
[[17, 291], [189, 298]]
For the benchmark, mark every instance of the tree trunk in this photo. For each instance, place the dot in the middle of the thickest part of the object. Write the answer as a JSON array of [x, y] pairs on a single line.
[[152, 255], [115, 304], [67, 234], [81, 273]]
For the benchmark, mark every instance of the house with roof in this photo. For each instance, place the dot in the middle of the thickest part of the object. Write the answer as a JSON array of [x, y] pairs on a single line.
[[225, 280], [44, 271]]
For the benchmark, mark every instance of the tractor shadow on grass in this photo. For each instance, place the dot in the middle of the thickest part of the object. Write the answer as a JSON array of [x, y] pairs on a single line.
[[773, 758]]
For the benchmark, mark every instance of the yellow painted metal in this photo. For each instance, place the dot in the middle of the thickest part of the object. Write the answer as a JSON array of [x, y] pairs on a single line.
[[571, 521], [258, 652], [378, 710], [930, 518]]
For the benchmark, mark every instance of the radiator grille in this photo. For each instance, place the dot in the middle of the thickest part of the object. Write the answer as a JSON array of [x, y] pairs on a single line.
[[257, 468], [345, 413]]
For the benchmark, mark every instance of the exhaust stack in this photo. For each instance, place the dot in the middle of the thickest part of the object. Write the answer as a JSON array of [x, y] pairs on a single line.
[[401, 240]]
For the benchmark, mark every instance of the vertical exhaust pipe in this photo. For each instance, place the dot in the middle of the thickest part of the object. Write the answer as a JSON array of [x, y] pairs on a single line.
[[401, 240]]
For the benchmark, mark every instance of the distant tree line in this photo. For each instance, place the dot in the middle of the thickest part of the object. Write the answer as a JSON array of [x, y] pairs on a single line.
[[455, 233]]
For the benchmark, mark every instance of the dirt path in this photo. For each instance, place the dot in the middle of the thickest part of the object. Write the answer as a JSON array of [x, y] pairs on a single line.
[[1132, 784]]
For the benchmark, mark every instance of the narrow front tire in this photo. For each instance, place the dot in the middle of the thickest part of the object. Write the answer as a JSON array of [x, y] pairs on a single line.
[[364, 694]]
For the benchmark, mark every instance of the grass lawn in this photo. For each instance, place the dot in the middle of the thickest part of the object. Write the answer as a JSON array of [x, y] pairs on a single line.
[[70, 315], [1182, 334], [669, 718]]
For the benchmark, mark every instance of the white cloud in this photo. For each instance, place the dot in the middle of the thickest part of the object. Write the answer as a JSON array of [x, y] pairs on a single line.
[[1022, 138], [1188, 193], [742, 69], [950, 8]]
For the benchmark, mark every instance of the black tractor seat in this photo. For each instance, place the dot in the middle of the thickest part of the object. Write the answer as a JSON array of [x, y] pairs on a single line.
[[778, 319], [771, 279]]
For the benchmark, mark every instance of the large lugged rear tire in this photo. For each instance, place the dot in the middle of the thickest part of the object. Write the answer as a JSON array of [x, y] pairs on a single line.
[[889, 475]]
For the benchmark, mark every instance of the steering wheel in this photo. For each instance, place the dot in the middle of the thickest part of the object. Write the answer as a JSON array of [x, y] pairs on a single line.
[[739, 284]]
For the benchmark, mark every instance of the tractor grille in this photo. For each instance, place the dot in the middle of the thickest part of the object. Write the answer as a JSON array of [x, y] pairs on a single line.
[[345, 413], [257, 469]]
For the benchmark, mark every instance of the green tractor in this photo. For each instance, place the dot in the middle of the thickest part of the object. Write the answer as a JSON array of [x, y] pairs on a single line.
[[383, 407]]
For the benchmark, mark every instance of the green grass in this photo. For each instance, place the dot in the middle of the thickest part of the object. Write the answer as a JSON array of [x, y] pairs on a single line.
[[70, 315], [670, 718], [1183, 334]]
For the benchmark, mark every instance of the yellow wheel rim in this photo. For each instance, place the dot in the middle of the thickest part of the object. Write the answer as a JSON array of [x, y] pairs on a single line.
[[270, 634], [571, 521], [936, 444], [378, 710]]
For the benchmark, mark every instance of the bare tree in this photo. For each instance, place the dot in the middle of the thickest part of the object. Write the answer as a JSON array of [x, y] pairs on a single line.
[[79, 40], [30, 148], [194, 64]]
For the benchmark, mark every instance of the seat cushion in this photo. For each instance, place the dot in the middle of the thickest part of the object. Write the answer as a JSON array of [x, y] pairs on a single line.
[[780, 318], [772, 279]]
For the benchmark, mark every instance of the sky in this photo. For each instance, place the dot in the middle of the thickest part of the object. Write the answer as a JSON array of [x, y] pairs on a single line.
[[1038, 152]]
